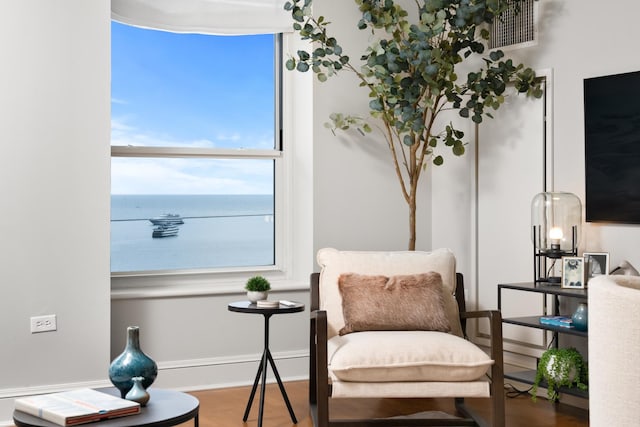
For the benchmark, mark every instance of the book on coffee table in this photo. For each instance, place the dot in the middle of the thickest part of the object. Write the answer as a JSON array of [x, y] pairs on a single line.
[[75, 407]]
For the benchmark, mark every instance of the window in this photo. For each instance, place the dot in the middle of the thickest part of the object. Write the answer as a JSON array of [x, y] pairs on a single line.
[[196, 151]]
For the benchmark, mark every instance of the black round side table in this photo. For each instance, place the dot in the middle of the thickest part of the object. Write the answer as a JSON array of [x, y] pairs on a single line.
[[252, 308]]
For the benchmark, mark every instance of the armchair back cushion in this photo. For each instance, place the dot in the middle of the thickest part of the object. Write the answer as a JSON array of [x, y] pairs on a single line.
[[335, 263]]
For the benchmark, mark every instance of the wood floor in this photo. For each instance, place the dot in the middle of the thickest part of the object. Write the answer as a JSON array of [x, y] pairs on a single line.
[[225, 408]]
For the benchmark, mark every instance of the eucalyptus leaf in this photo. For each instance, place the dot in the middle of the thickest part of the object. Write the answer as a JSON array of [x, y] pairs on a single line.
[[290, 64]]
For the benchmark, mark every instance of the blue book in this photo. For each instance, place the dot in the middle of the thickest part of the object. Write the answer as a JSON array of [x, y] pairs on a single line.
[[561, 321]]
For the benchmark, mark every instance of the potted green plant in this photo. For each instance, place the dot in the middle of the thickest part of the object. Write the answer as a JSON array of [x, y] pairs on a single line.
[[410, 70], [257, 288], [560, 367]]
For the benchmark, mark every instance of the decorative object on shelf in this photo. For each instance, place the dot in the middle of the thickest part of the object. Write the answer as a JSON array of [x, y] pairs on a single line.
[[132, 362], [560, 367], [556, 220], [580, 317], [573, 272], [595, 264], [625, 268], [257, 288], [138, 392]]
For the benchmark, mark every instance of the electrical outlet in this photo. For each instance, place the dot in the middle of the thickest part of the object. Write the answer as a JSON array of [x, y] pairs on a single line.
[[43, 323]]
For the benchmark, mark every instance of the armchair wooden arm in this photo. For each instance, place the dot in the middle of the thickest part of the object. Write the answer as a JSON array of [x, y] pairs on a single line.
[[318, 369], [497, 369]]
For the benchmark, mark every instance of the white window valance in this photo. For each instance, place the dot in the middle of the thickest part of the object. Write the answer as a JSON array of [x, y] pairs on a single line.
[[205, 16]]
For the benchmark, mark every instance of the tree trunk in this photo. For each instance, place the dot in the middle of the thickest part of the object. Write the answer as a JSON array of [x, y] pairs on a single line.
[[412, 222]]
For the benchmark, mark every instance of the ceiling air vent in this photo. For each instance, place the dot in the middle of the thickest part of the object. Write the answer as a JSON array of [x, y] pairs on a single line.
[[513, 28]]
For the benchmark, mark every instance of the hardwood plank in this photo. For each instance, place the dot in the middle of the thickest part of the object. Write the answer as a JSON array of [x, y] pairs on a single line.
[[225, 408]]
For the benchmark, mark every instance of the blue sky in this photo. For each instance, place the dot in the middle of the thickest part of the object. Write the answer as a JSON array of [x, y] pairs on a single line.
[[193, 90]]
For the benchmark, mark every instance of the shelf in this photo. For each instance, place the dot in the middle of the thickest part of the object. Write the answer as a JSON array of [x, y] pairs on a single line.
[[534, 322], [544, 288], [528, 377], [555, 290]]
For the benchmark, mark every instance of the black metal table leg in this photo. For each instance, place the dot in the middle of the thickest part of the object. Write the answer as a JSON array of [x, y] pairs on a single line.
[[262, 372], [254, 388], [282, 390]]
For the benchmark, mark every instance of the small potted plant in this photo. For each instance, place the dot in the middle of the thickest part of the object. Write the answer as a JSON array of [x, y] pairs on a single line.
[[560, 367], [257, 288]]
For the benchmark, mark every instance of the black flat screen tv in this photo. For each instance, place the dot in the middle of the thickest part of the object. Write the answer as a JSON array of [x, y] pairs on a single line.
[[612, 148]]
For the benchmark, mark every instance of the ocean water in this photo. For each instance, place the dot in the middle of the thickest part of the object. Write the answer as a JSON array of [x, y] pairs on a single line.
[[218, 231]]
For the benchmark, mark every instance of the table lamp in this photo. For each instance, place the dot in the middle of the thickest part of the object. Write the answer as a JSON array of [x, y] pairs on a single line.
[[556, 219]]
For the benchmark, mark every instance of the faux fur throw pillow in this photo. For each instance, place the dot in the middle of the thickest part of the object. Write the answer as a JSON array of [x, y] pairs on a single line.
[[397, 303]]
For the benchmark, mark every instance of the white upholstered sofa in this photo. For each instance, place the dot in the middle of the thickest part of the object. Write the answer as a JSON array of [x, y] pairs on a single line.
[[614, 351]]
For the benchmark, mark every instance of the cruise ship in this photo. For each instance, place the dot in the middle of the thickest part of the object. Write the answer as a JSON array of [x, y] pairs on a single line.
[[167, 219], [165, 230]]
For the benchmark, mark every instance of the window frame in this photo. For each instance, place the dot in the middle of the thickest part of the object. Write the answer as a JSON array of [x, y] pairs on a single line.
[[288, 248]]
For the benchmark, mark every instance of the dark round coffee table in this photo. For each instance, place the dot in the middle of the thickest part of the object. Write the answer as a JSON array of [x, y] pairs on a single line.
[[267, 359], [166, 408]]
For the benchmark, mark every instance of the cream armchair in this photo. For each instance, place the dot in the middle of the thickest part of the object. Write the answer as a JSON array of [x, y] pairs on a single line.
[[392, 325], [614, 351]]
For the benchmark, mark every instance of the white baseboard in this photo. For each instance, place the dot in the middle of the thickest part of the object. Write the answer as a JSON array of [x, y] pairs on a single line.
[[206, 374]]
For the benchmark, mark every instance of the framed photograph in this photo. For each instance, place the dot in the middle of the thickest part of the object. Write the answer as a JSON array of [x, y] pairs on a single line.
[[595, 264], [573, 272]]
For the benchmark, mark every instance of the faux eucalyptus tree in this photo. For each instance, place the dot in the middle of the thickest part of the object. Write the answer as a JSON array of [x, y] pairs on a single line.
[[409, 70]]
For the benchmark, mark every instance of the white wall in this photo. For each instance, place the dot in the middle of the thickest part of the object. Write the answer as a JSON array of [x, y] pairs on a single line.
[[573, 45], [54, 182], [576, 46]]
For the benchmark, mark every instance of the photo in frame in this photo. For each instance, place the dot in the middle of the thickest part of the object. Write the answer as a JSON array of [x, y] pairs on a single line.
[[573, 272], [595, 264]]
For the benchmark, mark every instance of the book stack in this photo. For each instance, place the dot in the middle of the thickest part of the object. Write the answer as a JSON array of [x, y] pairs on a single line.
[[75, 407], [561, 321]]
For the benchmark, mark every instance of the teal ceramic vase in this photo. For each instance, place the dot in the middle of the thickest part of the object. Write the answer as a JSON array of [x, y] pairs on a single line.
[[580, 317], [137, 392], [132, 363]]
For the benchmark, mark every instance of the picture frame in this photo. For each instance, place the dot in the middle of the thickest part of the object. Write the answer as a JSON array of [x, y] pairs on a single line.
[[595, 264], [573, 272]]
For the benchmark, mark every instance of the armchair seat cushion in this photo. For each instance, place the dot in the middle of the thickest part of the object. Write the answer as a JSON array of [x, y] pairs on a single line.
[[394, 356]]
